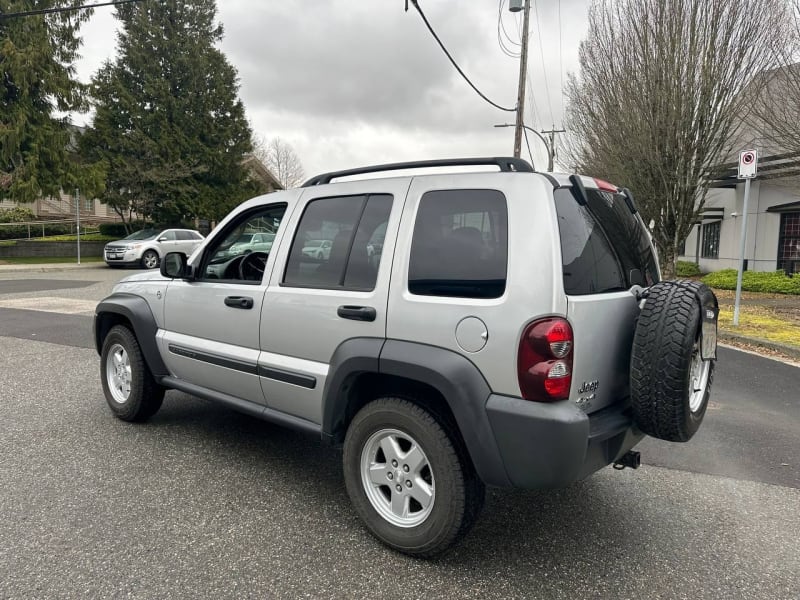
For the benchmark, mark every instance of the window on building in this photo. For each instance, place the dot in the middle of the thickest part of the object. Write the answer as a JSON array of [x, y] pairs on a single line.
[[789, 242], [339, 243], [710, 248], [460, 245]]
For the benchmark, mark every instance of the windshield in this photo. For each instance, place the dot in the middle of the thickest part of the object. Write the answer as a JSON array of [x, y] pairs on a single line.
[[143, 234], [244, 238]]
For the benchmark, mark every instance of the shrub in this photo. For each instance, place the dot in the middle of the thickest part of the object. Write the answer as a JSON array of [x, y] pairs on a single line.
[[18, 214], [754, 281], [687, 269], [21, 231], [118, 230]]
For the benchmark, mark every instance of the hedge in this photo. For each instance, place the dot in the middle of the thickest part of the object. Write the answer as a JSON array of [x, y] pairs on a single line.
[[687, 269], [11, 232], [118, 229], [754, 281]]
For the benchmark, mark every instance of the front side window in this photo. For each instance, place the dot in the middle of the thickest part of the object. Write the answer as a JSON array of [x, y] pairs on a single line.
[[233, 256], [336, 243], [167, 236], [711, 240], [460, 244]]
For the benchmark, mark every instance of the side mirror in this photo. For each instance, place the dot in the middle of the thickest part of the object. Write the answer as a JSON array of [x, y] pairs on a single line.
[[162, 239], [174, 265]]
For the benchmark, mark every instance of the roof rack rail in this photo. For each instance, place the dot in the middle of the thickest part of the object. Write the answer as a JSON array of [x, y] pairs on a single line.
[[506, 164]]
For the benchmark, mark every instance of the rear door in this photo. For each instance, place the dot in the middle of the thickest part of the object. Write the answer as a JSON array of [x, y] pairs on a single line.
[[605, 252], [318, 299]]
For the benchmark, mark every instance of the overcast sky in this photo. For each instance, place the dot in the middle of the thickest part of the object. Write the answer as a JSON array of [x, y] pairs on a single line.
[[351, 83]]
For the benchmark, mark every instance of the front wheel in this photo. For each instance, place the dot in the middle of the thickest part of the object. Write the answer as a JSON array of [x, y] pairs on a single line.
[[150, 259], [409, 479], [129, 387]]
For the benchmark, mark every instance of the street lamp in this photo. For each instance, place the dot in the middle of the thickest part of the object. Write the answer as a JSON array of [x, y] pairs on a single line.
[[541, 137]]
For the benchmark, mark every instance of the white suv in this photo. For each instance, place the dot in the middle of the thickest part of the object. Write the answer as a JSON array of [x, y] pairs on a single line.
[[146, 247], [461, 330]]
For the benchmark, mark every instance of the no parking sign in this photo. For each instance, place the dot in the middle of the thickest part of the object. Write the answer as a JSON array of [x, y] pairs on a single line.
[[748, 164]]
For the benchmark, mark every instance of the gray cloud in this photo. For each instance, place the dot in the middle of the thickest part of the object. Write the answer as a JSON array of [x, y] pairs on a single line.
[[352, 83]]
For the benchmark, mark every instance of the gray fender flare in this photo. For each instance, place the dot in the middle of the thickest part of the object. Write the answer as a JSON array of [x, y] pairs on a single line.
[[137, 311], [456, 378]]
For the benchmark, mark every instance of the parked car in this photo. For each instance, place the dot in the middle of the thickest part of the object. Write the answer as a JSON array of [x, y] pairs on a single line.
[[319, 249], [252, 242], [512, 331], [146, 247]]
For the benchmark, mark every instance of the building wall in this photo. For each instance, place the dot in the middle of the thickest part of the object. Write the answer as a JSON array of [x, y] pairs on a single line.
[[761, 248]]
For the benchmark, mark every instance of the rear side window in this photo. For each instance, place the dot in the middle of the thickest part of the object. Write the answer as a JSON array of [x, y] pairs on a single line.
[[336, 243], [604, 247], [460, 244]]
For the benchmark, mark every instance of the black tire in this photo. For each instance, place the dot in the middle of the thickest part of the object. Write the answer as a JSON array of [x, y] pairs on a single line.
[[147, 257], [145, 396], [665, 346], [458, 493]]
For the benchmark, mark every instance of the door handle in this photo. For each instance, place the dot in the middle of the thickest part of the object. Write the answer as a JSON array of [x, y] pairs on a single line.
[[239, 302], [357, 313]]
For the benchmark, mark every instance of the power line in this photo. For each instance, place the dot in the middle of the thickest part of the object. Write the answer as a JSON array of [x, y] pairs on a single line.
[[502, 32], [49, 11], [452, 60]]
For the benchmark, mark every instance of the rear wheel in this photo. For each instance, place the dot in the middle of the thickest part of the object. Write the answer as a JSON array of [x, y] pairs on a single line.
[[409, 479], [129, 387], [670, 382]]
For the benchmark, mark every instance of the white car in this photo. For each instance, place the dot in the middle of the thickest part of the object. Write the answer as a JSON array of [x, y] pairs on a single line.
[[252, 242], [320, 249], [146, 247]]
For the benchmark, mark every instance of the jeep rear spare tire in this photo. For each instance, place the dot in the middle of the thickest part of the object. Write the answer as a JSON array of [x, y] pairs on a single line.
[[670, 381]]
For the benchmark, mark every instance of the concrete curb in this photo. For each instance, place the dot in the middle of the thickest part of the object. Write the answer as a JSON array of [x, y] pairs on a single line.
[[790, 351], [50, 267]]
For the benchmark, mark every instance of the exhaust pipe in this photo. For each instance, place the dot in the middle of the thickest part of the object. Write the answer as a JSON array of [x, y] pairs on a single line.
[[630, 459]]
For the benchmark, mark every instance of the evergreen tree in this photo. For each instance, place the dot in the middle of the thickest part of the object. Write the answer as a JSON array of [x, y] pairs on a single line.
[[169, 123], [37, 149]]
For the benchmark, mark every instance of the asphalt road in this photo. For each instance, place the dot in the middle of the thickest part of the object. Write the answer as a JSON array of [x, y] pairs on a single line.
[[202, 502]]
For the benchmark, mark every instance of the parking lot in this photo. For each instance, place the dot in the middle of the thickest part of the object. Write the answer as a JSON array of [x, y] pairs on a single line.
[[202, 502]]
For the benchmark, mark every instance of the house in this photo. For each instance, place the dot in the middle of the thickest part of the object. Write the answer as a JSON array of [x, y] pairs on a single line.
[[773, 214]]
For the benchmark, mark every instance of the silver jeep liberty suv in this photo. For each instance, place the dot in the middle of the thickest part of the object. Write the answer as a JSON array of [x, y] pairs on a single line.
[[503, 328]]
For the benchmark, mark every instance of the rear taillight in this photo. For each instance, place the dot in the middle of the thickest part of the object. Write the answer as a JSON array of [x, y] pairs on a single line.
[[544, 360]]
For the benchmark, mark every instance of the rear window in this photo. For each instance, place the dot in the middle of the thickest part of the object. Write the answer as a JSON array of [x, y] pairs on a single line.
[[460, 245], [604, 247]]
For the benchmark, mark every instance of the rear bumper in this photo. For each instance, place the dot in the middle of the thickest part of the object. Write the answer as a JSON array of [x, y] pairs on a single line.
[[551, 445]]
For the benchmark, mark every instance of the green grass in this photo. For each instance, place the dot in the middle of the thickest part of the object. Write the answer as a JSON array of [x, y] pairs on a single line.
[[754, 281], [43, 260], [7, 243]]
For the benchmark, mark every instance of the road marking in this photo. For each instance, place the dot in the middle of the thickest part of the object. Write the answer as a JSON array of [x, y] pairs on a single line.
[[67, 306]]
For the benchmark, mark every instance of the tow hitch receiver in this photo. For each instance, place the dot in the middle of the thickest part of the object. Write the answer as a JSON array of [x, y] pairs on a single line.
[[630, 459]]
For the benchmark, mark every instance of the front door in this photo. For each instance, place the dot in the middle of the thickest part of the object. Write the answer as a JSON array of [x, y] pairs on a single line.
[[211, 335], [330, 284]]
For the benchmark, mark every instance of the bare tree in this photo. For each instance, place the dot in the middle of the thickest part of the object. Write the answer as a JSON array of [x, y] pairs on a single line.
[[776, 116], [659, 96], [281, 159]]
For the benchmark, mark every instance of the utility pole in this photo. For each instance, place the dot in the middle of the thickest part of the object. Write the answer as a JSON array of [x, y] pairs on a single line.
[[552, 146], [523, 69]]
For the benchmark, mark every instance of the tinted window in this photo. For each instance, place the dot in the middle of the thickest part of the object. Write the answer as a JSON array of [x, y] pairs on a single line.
[[334, 246], [604, 247], [711, 240], [460, 244], [185, 235]]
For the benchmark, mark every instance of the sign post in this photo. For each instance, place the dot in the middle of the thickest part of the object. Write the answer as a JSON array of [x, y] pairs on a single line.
[[78, 220], [748, 169]]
